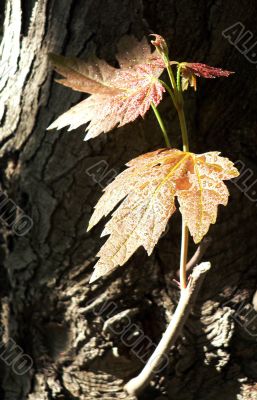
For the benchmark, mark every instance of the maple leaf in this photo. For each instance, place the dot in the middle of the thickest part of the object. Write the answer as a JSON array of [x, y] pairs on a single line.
[[118, 95], [190, 71], [146, 193]]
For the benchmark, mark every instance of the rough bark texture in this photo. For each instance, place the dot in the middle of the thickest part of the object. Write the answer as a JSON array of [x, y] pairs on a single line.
[[44, 287]]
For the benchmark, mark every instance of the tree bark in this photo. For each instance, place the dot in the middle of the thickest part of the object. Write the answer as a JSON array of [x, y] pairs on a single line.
[[81, 337]]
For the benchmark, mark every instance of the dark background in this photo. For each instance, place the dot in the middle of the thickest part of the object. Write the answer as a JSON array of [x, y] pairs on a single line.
[[44, 275]]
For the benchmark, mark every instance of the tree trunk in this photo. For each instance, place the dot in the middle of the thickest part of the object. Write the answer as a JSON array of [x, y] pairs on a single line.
[[80, 337]]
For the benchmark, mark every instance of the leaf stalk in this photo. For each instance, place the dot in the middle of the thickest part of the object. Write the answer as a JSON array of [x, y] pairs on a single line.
[[161, 123]]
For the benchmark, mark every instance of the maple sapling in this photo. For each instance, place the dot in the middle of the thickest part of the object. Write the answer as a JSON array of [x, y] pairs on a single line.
[[145, 192]]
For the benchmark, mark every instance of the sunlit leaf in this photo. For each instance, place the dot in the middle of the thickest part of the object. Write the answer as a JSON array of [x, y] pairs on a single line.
[[145, 193], [190, 71], [206, 71], [118, 95]]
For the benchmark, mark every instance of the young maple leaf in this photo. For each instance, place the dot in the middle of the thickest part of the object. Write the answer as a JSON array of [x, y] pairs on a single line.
[[148, 189], [118, 96], [160, 44], [190, 71]]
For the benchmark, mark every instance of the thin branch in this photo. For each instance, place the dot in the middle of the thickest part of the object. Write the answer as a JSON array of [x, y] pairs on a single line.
[[198, 255], [200, 251], [187, 299]]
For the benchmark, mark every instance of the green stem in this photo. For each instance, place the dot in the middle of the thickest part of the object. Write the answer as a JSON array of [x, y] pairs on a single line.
[[178, 101], [169, 91], [183, 127], [170, 73], [184, 228], [179, 78], [162, 126]]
